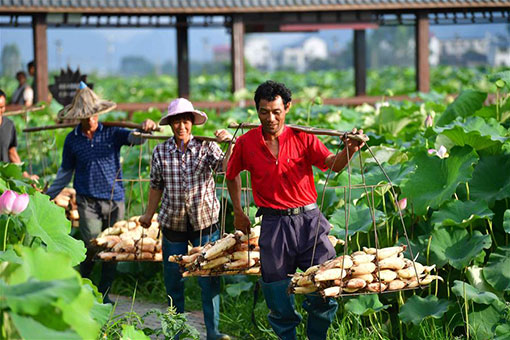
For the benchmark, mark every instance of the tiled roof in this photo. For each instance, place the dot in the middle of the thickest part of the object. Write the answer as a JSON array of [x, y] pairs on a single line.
[[232, 6]]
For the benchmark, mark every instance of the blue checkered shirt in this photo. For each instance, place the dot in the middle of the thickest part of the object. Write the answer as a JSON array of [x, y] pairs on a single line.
[[96, 161], [189, 191]]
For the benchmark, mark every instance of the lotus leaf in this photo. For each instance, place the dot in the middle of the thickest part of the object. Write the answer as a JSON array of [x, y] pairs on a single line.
[[365, 305], [129, 332], [475, 132], [47, 221], [466, 291], [497, 270], [29, 328], [436, 180], [360, 220], [465, 105], [455, 246], [417, 308], [485, 314], [461, 213], [236, 289], [502, 332], [29, 297], [490, 180], [506, 221]]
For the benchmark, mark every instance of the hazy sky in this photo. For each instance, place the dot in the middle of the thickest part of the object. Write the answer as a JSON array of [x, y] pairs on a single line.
[[102, 49]]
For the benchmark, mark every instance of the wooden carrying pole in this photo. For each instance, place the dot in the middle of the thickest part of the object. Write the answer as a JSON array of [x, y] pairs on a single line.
[[72, 125], [23, 111], [160, 137], [307, 129]]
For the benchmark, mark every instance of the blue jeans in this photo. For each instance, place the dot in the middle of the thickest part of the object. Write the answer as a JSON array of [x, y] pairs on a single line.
[[174, 283]]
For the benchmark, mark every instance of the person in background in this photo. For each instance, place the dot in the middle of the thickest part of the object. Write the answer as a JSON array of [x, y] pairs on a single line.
[[31, 73], [92, 154], [181, 178], [24, 95], [8, 139], [280, 161]]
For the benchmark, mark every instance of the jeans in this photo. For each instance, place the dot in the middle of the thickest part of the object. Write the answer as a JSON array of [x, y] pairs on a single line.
[[210, 286]]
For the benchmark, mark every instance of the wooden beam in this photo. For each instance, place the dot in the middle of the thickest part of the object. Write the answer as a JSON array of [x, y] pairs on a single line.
[[422, 53], [40, 57], [182, 57], [360, 63], [237, 53]]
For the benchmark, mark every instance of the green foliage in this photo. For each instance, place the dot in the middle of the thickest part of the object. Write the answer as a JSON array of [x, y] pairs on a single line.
[[365, 305], [416, 309], [497, 271]]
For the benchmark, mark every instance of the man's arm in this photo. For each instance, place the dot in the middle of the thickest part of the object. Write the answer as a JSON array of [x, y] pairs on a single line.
[[337, 164], [152, 206], [64, 176], [13, 155], [241, 221]]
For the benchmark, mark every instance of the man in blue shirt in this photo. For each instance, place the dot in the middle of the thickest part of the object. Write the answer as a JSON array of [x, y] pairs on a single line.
[[92, 153]]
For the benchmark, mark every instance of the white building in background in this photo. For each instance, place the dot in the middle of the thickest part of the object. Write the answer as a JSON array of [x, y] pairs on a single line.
[[298, 57], [257, 51], [499, 51]]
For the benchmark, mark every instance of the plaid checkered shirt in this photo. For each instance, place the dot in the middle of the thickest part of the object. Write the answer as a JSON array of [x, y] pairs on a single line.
[[189, 190]]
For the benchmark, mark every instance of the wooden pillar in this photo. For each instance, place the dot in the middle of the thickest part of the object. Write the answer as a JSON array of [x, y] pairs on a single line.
[[237, 53], [422, 52], [40, 57], [360, 63], [182, 57]]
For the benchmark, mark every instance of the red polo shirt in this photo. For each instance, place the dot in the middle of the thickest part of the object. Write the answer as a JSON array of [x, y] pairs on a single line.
[[286, 182]]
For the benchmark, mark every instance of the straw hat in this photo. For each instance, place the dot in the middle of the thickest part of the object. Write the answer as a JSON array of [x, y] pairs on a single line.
[[182, 105], [85, 104]]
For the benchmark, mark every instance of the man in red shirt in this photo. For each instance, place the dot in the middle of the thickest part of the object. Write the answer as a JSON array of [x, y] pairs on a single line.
[[280, 161]]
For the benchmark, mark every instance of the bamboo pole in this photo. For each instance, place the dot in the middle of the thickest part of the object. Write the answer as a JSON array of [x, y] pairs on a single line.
[[161, 137], [307, 129], [72, 125], [23, 111]]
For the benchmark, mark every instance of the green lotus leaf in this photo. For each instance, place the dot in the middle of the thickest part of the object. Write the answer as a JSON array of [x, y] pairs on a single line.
[[475, 277], [467, 103], [497, 270], [436, 180], [29, 328], [397, 173], [129, 332], [385, 154], [417, 309], [475, 132], [456, 246], [490, 180], [392, 120], [503, 75], [365, 305], [360, 220], [235, 289], [48, 221], [506, 221], [29, 297], [502, 332], [461, 213], [485, 314], [465, 291]]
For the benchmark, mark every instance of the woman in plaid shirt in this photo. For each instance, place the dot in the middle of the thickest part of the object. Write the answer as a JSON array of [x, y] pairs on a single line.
[[181, 178]]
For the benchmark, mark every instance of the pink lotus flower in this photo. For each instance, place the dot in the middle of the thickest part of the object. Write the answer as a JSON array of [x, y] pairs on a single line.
[[402, 204], [13, 203], [441, 153]]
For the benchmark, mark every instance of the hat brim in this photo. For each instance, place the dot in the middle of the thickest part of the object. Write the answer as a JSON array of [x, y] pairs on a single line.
[[200, 117], [70, 112]]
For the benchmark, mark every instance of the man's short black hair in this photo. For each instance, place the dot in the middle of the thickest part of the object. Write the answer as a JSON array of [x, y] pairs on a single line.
[[20, 73], [2, 94], [30, 64], [269, 90]]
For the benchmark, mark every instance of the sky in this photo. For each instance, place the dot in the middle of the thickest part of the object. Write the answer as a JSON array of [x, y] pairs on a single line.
[[101, 49]]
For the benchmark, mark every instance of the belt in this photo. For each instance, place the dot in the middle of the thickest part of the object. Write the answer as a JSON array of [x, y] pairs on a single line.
[[285, 212]]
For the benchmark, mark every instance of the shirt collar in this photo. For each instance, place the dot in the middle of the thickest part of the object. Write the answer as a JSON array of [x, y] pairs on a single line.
[[193, 145], [281, 138], [77, 129]]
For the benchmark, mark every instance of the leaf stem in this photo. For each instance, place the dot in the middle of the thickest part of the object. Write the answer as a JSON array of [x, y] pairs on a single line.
[[492, 232], [5, 232]]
